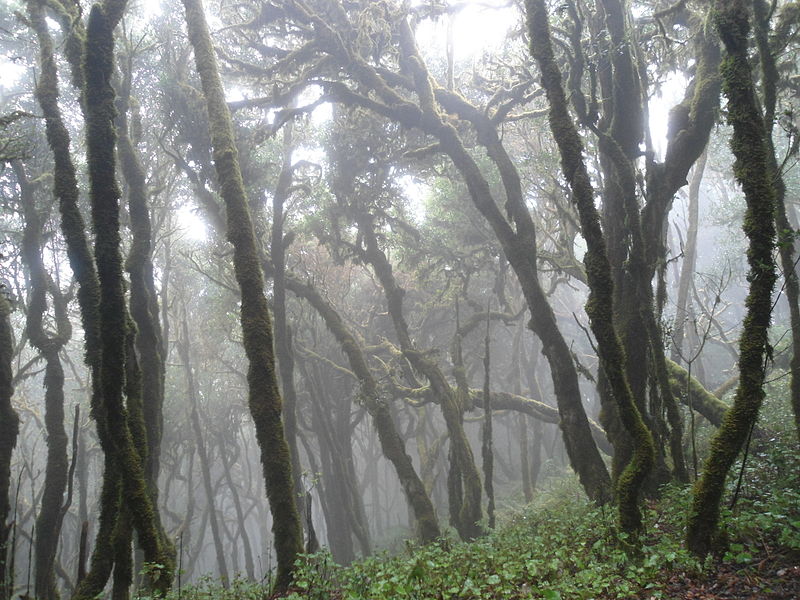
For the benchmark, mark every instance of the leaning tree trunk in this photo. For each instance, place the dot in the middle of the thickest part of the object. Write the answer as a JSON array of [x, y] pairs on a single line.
[[468, 498], [391, 442], [519, 247], [599, 306], [752, 170], [263, 396], [9, 428]]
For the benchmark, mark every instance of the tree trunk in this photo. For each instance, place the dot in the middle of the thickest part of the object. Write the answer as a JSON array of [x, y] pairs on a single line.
[[600, 304], [283, 347], [9, 428], [115, 433], [184, 349], [752, 170], [263, 396], [786, 234], [50, 517]]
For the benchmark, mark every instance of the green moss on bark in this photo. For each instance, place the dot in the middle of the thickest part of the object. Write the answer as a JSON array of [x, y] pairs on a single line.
[[753, 173], [600, 305], [263, 397], [113, 320]]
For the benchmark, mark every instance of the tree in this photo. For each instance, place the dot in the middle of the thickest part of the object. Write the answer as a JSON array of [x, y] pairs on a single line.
[[600, 304], [752, 170], [264, 399], [9, 428], [51, 514]]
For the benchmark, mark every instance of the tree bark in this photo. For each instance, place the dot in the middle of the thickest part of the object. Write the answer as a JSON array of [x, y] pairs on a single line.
[[263, 396], [50, 517], [600, 304], [752, 170], [9, 428]]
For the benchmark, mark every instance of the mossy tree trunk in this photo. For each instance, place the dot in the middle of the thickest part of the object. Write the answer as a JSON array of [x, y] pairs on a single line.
[[786, 233], [144, 307], [50, 517], [392, 444], [465, 487], [83, 268], [752, 170], [9, 428], [120, 441], [600, 304], [515, 234], [263, 396]]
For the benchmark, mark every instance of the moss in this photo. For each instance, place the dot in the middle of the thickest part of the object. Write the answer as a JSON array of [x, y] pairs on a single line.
[[263, 396], [786, 234], [119, 442], [752, 171], [49, 519], [143, 300], [600, 304]]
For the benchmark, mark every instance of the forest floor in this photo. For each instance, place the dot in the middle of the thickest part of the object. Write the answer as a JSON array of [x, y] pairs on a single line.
[[771, 578], [559, 547]]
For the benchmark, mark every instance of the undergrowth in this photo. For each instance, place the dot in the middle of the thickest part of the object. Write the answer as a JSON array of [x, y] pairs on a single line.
[[560, 546]]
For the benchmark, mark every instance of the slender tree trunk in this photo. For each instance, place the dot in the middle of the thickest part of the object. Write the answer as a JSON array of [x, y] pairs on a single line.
[[600, 305], [392, 444], [263, 396], [113, 320], [468, 510], [689, 262], [487, 450], [283, 347], [202, 453], [9, 428], [786, 233], [143, 300], [237, 504], [50, 517], [752, 170]]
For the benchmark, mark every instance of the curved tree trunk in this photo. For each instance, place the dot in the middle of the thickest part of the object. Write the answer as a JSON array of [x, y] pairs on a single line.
[[263, 396], [752, 170], [786, 234], [392, 444], [600, 304], [50, 517]]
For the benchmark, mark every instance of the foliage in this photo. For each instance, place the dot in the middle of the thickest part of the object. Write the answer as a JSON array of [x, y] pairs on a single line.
[[562, 547]]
